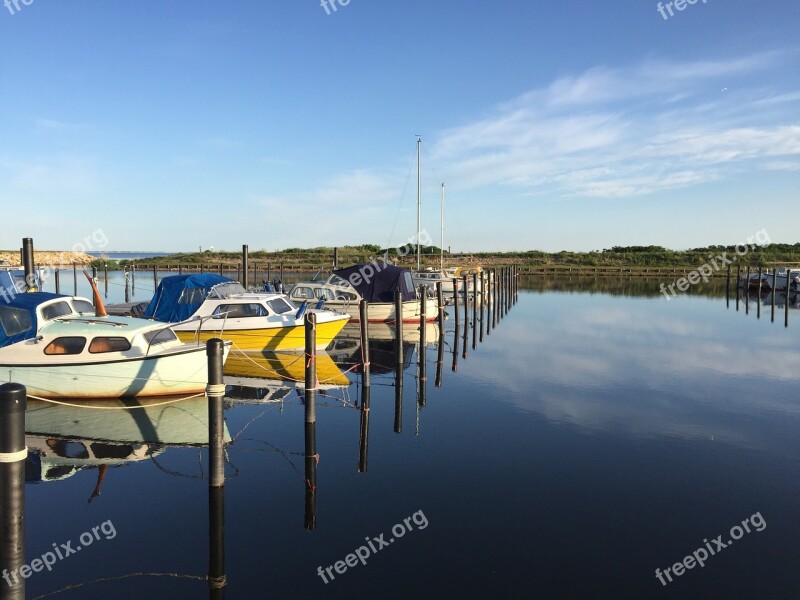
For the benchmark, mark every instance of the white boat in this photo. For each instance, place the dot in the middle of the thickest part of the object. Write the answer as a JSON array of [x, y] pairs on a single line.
[[377, 283], [205, 306], [58, 347]]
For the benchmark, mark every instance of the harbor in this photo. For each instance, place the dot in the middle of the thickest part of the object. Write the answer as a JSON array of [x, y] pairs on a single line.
[[410, 300]]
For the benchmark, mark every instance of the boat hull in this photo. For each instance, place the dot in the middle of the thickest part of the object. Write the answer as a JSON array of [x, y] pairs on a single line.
[[384, 312], [177, 373], [267, 339]]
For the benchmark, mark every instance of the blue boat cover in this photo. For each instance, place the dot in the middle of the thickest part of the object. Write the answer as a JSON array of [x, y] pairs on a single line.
[[378, 282], [18, 315], [179, 296]]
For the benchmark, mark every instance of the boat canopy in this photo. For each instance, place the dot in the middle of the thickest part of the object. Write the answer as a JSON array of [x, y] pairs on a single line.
[[18, 316], [179, 296], [378, 282]]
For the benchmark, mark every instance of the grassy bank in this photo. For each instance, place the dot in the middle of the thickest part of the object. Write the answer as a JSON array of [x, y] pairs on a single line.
[[636, 260]]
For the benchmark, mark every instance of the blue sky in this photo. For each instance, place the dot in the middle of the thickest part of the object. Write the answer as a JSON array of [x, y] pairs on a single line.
[[572, 125]]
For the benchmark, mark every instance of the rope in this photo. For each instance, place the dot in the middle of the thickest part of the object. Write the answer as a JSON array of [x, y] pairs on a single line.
[[12, 457], [115, 407], [118, 577], [215, 390]]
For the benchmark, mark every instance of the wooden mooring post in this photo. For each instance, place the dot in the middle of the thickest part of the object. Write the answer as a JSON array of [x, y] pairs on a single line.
[[774, 283], [398, 372]]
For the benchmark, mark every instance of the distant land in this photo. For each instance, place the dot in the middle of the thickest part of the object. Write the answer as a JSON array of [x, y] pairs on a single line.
[[617, 256]]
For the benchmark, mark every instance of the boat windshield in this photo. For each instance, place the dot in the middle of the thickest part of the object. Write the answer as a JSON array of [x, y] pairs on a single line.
[[83, 306], [336, 280], [281, 305], [14, 320], [226, 290]]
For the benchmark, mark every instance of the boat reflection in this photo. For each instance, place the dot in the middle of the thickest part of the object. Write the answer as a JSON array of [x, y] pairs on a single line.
[[383, 351], [279, 369], [65, 438]]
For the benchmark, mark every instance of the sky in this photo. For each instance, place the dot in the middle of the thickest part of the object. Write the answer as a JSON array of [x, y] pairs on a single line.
[[569, 125]]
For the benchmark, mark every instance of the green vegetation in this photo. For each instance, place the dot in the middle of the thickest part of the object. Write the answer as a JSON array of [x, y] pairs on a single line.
[[616, 257]]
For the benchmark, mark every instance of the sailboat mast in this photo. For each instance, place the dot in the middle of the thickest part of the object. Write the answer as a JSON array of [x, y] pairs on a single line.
[[441, 250], [419, 199]]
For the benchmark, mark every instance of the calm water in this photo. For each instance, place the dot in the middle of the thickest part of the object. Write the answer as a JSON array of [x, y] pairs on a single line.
[[598, 433]]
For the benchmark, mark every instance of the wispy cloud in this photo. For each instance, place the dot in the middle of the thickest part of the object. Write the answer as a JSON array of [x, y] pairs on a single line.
[[618, 132]]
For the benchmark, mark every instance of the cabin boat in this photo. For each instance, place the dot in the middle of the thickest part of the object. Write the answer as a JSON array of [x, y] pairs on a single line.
[[204, 306], [765, 279], [57, 347], [377, 283], [429, 277]]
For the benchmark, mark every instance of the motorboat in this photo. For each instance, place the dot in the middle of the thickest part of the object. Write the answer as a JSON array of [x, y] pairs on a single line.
[[205, 305], [63, 347], [377, 283]]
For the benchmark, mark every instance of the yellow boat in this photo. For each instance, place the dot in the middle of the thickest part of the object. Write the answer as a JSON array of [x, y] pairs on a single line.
[[205, 306]]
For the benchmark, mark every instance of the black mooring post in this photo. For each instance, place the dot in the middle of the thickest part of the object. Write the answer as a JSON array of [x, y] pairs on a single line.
[[155, 276], [74, 279], [216, 543], [311, 456], [747, 293], [440, 303], [245, 266], [774, 282], [398, 325], [475, 311], [788, 295], [28, 264], [457, 323], [728, 288], [335, 258], [105, 278], [133, 280], [215, 351], [495, 298], [363, 313], [127, 287], [363, 433], [421, 362], [58, 280], [483, 306], [13, 402], [439, 358]]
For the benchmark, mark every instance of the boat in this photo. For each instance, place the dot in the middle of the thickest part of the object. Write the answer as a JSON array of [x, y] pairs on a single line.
[[205, 305], [377, 283], [764, 280], [62, 347]]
